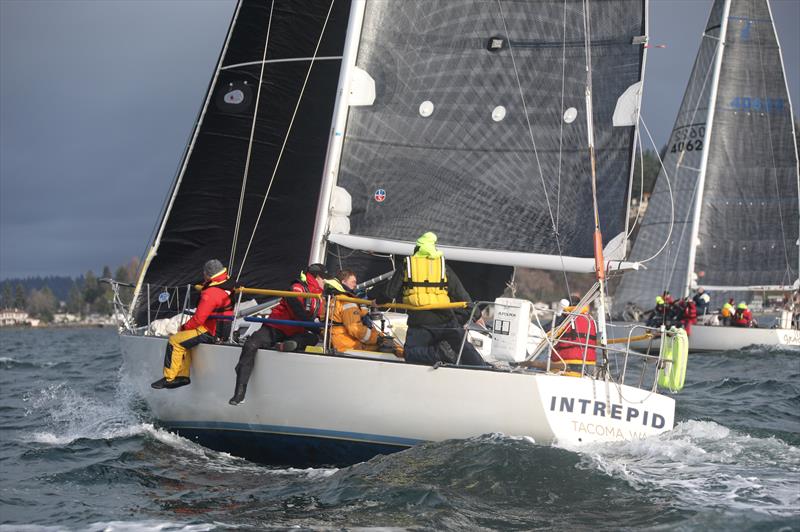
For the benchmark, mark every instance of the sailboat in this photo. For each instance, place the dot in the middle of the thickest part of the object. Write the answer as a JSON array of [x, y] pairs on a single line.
[[338, 132], [725, 204]]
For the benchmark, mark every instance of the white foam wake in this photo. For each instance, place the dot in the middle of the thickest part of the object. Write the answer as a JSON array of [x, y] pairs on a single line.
[[71, 416], [706, 464]]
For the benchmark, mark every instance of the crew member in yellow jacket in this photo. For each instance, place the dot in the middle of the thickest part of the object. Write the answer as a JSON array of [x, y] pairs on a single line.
[[351, 327], [425, 279]]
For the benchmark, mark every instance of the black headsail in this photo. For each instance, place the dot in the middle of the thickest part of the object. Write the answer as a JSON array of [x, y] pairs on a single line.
[[478, 128], [733, 170], [201, 218]]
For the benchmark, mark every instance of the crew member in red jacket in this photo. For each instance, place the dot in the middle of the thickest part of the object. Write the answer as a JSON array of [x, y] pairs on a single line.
[[215, 298], [742, 317], [688, 315], [579, 337], [283, 336]]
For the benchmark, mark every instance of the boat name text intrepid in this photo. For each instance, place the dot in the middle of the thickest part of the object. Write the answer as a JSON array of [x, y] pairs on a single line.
[[568, 404]]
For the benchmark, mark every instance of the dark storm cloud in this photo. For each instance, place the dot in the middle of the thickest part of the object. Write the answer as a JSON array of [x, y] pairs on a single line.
[[97, 99]]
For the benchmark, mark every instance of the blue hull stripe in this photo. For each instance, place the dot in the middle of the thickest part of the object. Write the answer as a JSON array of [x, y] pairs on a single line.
[[292, 446], [293, 431]]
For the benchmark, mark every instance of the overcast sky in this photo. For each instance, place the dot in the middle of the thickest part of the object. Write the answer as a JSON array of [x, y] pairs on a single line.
[[98, 97]]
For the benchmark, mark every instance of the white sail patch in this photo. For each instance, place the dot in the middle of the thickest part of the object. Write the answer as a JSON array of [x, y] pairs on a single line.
[[426, 108], [626, 113], [341, 206], [362, 88], [498, 113]]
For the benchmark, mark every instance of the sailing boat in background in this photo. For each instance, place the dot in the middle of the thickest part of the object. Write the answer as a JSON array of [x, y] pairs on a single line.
[[457, 117], [731, 174]]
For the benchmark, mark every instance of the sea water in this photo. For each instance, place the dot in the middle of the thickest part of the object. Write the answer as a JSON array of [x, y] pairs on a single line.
[[79, 451]]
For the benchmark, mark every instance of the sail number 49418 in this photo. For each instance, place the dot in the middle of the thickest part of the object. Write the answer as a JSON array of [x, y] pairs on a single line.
[[749, 103]]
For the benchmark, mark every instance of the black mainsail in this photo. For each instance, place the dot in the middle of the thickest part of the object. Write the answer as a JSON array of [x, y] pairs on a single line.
[[733, 170], [203, 213]]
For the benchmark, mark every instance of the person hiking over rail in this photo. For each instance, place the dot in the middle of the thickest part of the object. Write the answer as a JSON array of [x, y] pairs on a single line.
[[215, 298], [283, 336]]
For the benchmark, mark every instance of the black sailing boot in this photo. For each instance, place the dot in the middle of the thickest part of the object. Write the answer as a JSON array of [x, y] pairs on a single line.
[[177, 382], [238, 394]]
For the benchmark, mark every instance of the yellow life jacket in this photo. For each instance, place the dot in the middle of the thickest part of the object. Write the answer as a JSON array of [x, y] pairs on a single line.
[[425, 281]]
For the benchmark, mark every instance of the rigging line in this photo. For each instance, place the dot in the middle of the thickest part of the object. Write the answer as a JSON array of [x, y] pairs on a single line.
[[638, 142], [774, 164], [250, 142], [533, 143], [671, 198], [285, 140]]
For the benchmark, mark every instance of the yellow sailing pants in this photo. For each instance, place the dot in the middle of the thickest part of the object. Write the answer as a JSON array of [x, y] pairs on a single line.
[[178, 358]]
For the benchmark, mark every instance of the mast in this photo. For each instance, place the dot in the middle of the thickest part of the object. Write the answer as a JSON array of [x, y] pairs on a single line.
[[712, 105], [152, 251], [599, 268], [336, 138]]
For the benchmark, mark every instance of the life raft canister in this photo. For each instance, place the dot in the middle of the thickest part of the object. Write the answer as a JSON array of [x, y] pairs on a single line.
[[425, 281], [674, 355]]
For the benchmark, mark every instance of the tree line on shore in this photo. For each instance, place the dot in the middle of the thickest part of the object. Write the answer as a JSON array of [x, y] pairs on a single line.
[[42, 298]]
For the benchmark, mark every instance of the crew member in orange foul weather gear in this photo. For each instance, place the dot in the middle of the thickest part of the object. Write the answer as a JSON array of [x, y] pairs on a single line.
[[215, 298], [351, 326]]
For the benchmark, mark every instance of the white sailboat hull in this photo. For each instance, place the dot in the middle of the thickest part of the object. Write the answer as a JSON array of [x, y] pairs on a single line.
[[304, 408], [719, 338], [706, 338]]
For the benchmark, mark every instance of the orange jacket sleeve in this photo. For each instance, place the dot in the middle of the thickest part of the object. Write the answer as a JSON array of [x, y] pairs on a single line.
[[351, 319]]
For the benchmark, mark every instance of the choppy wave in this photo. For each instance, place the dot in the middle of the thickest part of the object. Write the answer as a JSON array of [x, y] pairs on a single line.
[[118, 526], [702, 463], [82, 453], [13, 363]]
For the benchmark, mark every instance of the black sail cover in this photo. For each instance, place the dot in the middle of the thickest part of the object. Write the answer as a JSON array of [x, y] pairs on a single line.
[[748, 223], [202, 220], [472, 143]]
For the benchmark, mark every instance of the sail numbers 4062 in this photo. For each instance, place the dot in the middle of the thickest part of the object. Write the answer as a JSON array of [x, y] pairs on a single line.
[[688, 138]]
